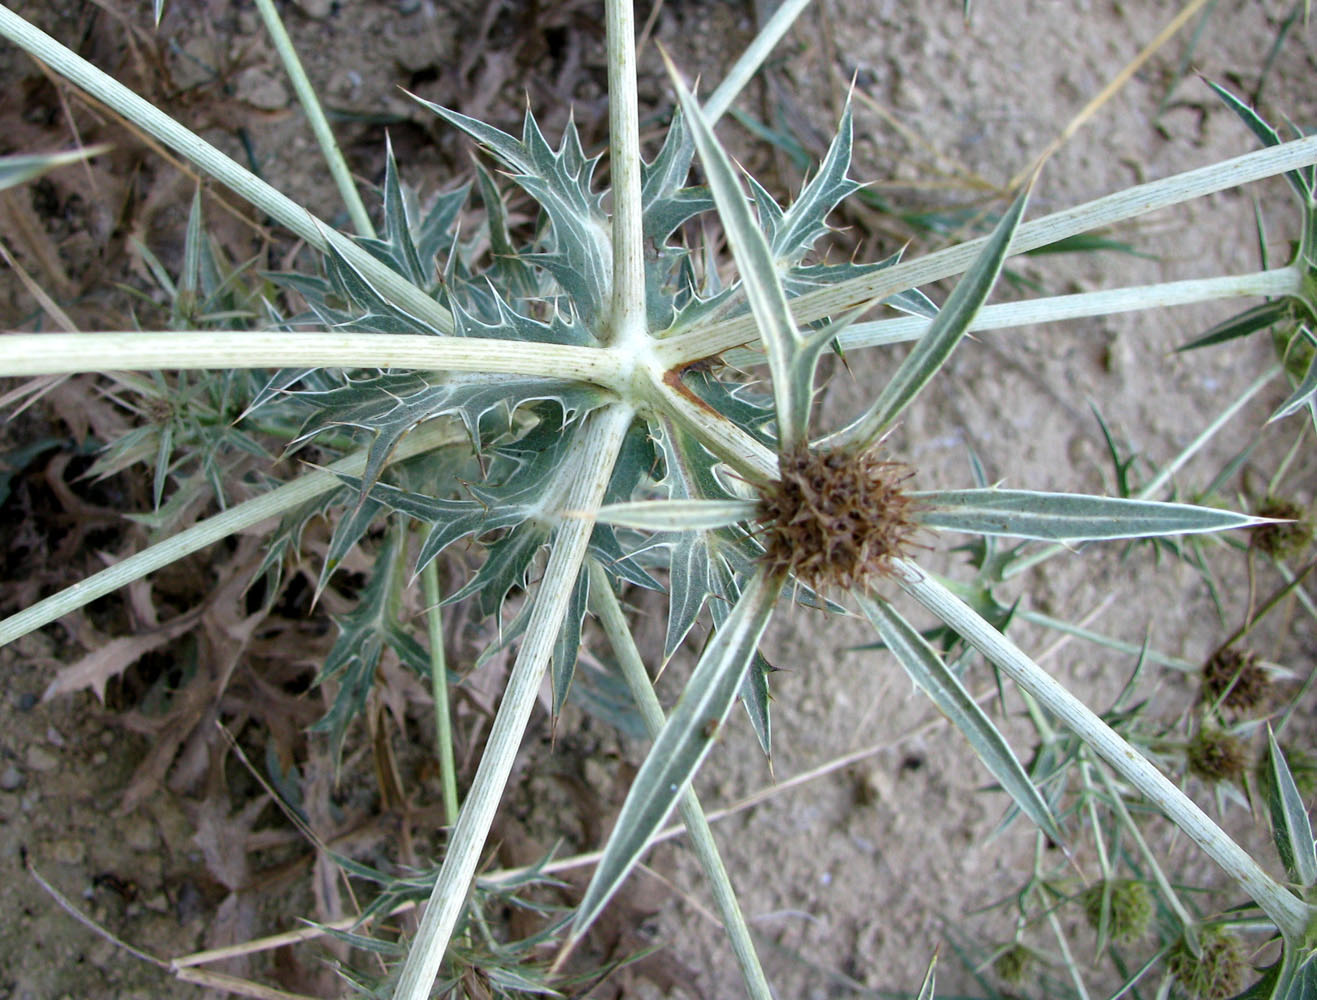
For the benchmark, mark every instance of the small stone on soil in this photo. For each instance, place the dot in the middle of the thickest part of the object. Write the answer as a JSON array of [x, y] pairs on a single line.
[[40, 759], [11, 779]]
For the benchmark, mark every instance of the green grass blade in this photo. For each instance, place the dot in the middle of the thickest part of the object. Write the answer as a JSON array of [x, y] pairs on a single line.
[[678, 515], [946, 331], [1070, 517], [792, 382], [934, 678], [15, 170], [682, 745], [1289, 818]]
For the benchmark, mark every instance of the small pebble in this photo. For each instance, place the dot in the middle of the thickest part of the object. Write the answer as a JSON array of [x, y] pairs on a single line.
[[261, 89], [317, 9], [68, 851], [139, 832], [26, 701], [40, 759], [11, 779]]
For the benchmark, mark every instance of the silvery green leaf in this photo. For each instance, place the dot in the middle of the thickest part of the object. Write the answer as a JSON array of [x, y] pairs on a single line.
[[15, 170], [1251, 320], [1289, 819], [928, 987], [364, 634], [1067, 517], [510, 272], [397, 227], [678, 515], [568, 643], [791, 356], [666, 204], [1301, 180], [754, 692], [806, 220], [946, 331], [581, 257], [1304, 395], [682, 744], [381, 315], [932, 676], [388, 406], [688, 474]]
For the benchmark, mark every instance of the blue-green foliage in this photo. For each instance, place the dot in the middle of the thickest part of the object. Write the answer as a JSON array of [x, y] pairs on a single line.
[[548, 283]]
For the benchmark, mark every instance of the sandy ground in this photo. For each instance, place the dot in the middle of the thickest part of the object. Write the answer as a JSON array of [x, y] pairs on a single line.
[[853, 879]]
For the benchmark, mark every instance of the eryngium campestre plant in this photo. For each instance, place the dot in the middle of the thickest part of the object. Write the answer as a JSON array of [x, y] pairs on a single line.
[[581, 364]]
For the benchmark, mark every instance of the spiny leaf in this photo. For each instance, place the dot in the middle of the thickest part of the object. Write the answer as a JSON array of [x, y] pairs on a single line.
[[806, 220], [1304, 395], [1289, 819], [1067, 516], [682, 744], [933, 677], [1301, 180], [390, 405], [791, 356], [940, 340], [364, 634]]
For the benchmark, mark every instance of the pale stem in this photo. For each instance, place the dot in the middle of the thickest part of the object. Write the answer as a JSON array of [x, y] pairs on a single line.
[[1289, 914], [1066, 957], [152, 120], [315, 117], [588, 471], [1280, 281], [239, 518], [62, 353], [752, 58], [443, 727], [1168, 892], [1154, 486], [1129, 203], [717, 433], [1119, 646], [697, 824], [628, 312]]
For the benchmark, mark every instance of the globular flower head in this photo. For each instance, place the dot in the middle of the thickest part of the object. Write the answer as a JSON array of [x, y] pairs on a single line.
[[836, 518], [1013, 964], [1234, 678], [1285, 540], [1216, 755], [1131, 908], [1216, 974]]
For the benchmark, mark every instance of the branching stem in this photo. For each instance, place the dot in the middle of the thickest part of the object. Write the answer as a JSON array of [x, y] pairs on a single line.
[[1290, 914], [588, 469]]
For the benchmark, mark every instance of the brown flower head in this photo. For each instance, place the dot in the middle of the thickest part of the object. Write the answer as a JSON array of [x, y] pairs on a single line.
[[1234, 678], [1282, 541], [836, 518], [1216, 755]]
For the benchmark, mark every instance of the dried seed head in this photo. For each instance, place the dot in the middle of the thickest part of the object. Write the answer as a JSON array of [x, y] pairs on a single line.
[[1013, 964], [1282, 541], [1216, 974], [1130, 914], [1215, 755], [1233, 677], [836, 518]]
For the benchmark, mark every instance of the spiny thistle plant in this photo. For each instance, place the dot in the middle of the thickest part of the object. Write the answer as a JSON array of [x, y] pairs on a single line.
[[584, 369]]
